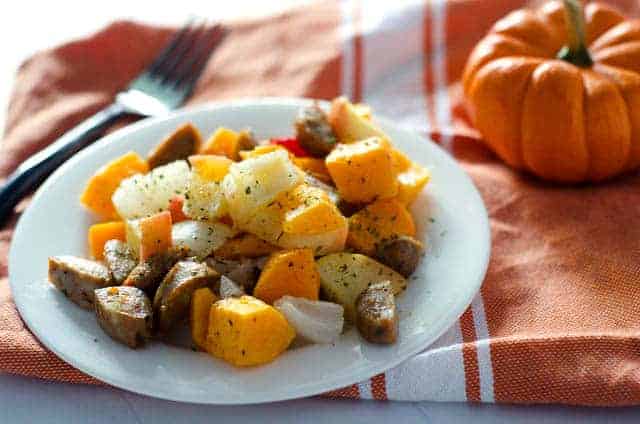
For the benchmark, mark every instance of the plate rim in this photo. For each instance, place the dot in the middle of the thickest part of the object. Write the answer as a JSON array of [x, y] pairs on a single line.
[[285, 395]]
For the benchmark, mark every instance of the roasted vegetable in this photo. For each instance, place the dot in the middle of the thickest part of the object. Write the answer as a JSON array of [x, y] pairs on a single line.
[[150, 236], [246, 331], [228, 143], [343, 276], [101, 233], [256, 182], [201, 302], [380, 221], [125, 314], [176, 205], [77, 278], [314, 320], [349, 123], [314, 167], [376, 314], [411, 177], [200, 238], [229, 288], [173, 297], [178, 145], [314, 132], [401, 254], [246, 245], [140, 196], [211, 168], [101, 186], [363, 171], [119, 259], [291, 272]]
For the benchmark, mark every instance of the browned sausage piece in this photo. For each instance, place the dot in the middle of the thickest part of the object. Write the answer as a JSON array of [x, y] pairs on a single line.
[[229, 288], [119, 260], [376, 315], [314, 132], [245, 142], [172, 299], [77, 278], [147, 275], [244, 272], [401, 254], [180, 144], [125, 314]]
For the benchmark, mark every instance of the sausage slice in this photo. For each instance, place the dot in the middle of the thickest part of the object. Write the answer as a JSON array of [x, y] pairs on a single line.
[[244, 272], [125, 314], [172, 299], [77, 278], [401, 254], [119, 260], [180, 144], [314, 132], [147, 275], [376, 315]]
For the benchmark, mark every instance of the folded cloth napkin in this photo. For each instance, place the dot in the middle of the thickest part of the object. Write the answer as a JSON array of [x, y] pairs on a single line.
[[557, 319]]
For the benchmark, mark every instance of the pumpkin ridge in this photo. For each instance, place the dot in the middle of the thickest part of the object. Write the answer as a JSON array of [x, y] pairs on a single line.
[[624, 32]]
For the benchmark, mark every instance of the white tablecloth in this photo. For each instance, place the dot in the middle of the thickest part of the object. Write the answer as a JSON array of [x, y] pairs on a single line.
[[29, 25]]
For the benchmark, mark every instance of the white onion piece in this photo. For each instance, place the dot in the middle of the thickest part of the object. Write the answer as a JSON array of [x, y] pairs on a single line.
[[314, 320], [199, 237]]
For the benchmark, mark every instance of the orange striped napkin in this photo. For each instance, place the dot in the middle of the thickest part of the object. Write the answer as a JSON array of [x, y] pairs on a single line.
[[557, 319]]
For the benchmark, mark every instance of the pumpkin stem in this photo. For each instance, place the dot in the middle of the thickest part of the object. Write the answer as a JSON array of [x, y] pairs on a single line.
[[575, 51]]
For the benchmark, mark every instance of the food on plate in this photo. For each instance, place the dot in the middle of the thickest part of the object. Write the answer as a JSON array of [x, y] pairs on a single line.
[[148, 274], [556, 94], [315, 321], [379, 222], [229, 288], [101, 233], [343, 276], [180, 144], [119, 259], [245, 245], [313, 131], [228, 143], [125, 314], [401, 254], [100, 188], [376, 314], [252, 243], [172, 299], [201, 301], [246, 331], [77, 278], [290, 272], [363, 171]]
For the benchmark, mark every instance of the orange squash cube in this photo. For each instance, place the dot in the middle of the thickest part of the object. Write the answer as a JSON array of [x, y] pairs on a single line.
[[380, 221], [311, 212], [201, 301], [101, 233], [315, 167], [363, 171], [97, 194], [210, 167], [291, 272], [411, 177]]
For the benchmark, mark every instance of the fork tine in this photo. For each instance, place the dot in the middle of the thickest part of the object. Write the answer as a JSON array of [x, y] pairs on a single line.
[[166, 71], [189, 72], [170, 48]]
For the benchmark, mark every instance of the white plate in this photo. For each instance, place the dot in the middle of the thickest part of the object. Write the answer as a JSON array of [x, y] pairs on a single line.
[[450, 215]]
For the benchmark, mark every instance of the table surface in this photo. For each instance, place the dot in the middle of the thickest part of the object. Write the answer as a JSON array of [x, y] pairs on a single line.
[[32, 400]]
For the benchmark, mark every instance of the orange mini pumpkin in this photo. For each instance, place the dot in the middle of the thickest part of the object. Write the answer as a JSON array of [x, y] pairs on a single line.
[[556, 91]]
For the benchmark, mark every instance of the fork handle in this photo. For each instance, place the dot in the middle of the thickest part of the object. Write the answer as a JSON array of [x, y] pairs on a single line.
[[33, 171]]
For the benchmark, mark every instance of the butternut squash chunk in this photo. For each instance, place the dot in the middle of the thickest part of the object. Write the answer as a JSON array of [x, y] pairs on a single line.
[[97, 194], [380, 221], [201, 302], [101, 233], [292, 273], [246, 331], [363, 171]]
